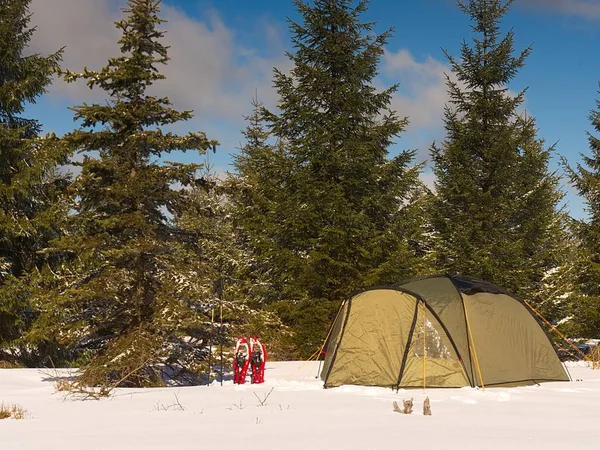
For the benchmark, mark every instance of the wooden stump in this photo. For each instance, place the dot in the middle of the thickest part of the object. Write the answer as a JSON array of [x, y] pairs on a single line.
[[426, 407], [408, 407]]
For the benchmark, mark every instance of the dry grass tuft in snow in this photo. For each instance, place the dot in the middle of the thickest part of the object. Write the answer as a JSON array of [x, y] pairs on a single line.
[[4, 364], [13, 411], [80, 391], [67, 384], [594, 356]]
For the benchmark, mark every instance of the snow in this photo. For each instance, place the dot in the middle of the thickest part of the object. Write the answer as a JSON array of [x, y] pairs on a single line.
[[297, 413]]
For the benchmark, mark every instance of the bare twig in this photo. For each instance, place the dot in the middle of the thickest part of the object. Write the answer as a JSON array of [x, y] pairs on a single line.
[[263, 402], [178, 403], [240, 406]]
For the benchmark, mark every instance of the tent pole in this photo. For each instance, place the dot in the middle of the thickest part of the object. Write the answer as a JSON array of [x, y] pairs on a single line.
[[409, 341], [472, 345]]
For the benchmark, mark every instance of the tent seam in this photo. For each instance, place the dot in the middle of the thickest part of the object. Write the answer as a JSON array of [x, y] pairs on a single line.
[[462, 301]]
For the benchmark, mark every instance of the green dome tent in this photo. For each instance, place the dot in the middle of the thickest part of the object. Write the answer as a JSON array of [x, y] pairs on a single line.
[[438, 331]]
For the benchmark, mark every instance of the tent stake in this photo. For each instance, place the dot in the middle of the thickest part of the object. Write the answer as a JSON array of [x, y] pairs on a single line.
[[319, 368]]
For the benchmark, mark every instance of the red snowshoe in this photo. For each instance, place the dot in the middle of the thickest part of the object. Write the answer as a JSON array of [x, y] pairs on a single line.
[[241, 361], [258, 357]]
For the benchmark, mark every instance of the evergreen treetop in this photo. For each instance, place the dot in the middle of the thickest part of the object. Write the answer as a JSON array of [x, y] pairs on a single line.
[[327, 200], [495, 212]]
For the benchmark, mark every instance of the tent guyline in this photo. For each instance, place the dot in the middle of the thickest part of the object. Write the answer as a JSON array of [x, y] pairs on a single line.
[[438, 331], [585, 357]]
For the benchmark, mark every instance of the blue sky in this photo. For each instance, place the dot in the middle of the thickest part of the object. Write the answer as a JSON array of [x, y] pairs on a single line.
[[223, 51]]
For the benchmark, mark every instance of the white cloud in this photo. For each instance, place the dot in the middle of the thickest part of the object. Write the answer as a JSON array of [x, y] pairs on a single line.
[[85, 28], [588, 9], [428, 179], [422, 93], [421, 96], [209, 71]]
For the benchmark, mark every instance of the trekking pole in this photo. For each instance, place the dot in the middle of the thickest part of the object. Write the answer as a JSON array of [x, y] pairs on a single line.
[[209, 363], [212, 320], [218, 289], [221, 325]]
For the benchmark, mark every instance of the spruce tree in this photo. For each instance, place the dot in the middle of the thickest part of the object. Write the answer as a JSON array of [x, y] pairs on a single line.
[[584, 295], [134, 300], [29, 182], [262, 168], [255, 194], [327, 215], [495, 213]]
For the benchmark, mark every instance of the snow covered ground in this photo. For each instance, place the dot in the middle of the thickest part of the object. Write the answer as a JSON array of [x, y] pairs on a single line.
[[299, 414]]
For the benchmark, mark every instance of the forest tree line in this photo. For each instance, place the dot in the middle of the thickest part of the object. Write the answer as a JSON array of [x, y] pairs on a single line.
[[133, 268]]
